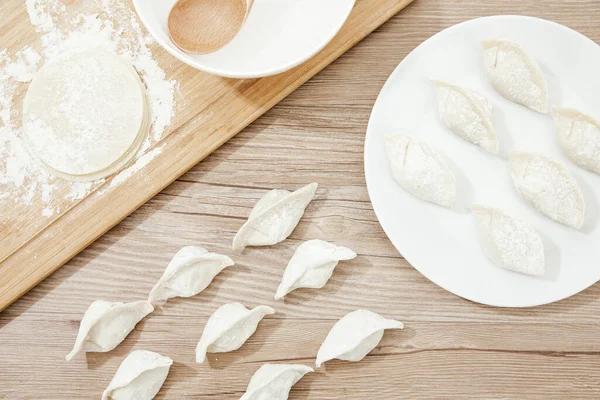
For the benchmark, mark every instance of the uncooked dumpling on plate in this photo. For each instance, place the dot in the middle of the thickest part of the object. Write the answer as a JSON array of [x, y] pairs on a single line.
[[228, 328], [510, 242], [274, 217], [515, 75], [191, 271], [354, 336], [579, 136], [311, 266], [468, 114], [105, 324], [274, 381], [548, 186], [421, 170], [139, 377]]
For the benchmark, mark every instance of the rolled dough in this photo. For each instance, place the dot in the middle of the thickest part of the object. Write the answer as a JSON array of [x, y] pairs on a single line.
[[85, 115]]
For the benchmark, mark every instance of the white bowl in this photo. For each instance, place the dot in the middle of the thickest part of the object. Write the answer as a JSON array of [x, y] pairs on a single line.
[[277, 36]]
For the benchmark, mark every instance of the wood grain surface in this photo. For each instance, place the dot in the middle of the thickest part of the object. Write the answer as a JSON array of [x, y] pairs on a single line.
[[450, 348], [212, 110]]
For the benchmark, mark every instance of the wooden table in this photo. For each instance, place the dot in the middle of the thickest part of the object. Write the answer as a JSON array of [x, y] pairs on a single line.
[[450, 348]]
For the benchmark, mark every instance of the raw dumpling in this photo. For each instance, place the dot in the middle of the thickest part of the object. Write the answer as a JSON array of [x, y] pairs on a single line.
[[420, 170], [105, 324], [274, 217], [189, 272], [139, 377], [515, 75], [579, 136], [228, 328], [548, 186], [274, 381], [312, 265], [510, 242], [468, 114], [354, 336]]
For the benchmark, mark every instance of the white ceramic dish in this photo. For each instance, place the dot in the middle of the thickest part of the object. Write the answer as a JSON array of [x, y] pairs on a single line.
[[443, 244], [278, 35]]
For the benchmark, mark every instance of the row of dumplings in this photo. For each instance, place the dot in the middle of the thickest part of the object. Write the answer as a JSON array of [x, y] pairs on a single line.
[[142, 373], [544, 183], [517, 77], [106, 324]]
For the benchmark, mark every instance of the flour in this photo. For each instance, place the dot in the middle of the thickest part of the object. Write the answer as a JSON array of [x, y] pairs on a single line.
[[111, 24], [25, 66], [40, 13], [79, 190], [140, 163]]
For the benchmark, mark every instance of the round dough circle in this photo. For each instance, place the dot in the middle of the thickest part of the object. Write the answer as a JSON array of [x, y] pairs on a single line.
[[85, 115]]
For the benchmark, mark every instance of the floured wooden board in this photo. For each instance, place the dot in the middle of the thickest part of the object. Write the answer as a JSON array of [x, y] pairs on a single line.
[[34, 242]]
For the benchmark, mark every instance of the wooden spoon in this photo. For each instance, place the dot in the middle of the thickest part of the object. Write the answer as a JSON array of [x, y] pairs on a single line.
[[205, 26]]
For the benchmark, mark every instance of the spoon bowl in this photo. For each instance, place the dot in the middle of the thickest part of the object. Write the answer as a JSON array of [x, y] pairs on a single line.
[[205, 26]]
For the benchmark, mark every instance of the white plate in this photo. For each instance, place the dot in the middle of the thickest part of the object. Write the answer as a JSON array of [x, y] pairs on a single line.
[[443, 244], [278, 35]]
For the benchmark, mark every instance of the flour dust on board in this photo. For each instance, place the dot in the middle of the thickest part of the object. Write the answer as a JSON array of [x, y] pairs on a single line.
[[111, 25]]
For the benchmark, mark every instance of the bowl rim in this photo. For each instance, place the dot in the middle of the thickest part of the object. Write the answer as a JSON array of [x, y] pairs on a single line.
[[187, 59]]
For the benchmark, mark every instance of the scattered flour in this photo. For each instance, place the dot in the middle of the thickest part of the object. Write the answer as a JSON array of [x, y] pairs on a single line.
[[140, 163], [112, 25], [79, 190], [40, 13], [25, 66]]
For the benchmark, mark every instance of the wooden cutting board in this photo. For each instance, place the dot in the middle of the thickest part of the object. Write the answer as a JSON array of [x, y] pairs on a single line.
[[214, 110]]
